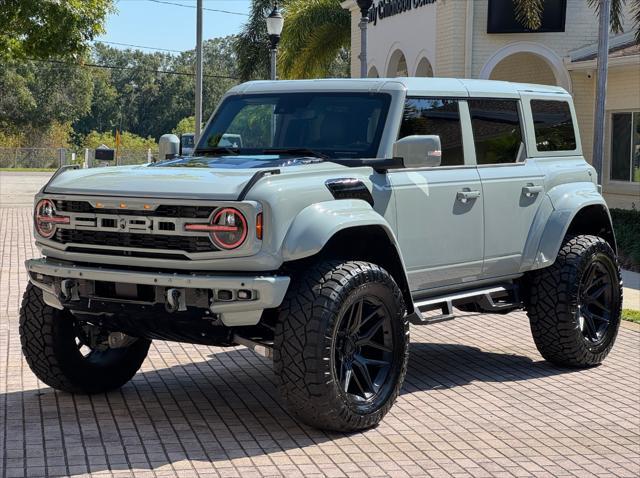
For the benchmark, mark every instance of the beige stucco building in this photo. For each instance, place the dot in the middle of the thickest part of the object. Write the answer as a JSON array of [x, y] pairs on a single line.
[[481, 39]]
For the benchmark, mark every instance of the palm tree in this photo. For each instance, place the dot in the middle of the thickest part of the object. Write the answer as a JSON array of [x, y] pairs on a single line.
[[315, 37], [315, 32], [252, 45], [529, 13]]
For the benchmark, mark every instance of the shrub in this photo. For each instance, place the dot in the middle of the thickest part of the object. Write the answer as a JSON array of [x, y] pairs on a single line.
[[626, 224]]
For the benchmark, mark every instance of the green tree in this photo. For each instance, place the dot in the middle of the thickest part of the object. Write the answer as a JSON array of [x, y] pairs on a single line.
[[315, 33], [315, 40], [50, 28], [104, 105], [252, 45], [35, 96], [128, 141], [185, 125], [529, 13], [137, 96]]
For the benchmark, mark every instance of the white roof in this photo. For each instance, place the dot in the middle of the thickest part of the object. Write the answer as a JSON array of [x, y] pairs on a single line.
[[414, 86]]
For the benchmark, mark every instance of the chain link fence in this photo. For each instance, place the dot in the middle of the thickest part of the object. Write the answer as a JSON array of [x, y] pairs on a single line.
[[53, 158], [32, 157]]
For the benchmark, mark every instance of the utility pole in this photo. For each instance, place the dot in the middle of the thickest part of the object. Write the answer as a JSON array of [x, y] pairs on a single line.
[[365, 6], [198, 71], [601, 91]]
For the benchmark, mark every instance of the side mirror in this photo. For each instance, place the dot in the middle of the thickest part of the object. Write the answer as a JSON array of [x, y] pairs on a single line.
[[419, 151]]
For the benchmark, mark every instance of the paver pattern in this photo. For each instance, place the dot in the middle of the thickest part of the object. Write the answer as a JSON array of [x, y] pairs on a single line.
[[478, 401]]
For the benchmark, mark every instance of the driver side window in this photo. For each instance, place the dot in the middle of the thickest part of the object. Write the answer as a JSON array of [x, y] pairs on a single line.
[[435, 116]]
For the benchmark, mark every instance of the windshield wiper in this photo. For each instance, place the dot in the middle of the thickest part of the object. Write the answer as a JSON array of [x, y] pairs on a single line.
[[296, 151], [217, 151]]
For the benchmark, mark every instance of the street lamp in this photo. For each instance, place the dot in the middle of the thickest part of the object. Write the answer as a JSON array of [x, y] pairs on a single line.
[[365, 6], [275, 22]]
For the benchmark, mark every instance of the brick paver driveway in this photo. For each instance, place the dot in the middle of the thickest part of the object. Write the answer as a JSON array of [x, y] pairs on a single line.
[[478, 401]]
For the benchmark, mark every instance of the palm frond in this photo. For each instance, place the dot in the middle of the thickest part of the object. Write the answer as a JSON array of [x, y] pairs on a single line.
[[617, 13], [315, 32], [529, 13], [635, 11], [252, 45]]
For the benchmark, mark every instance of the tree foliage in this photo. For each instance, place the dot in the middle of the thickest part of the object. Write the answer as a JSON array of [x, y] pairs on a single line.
[[315, 32], [529, 13], [131, 93], [185, 125], [50, 28], [252, 45], [315, 40], [128, 141], [38, 96]]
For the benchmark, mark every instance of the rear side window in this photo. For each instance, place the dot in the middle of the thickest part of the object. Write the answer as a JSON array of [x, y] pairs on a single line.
[[497, 131], [553, 125], [435, 116]]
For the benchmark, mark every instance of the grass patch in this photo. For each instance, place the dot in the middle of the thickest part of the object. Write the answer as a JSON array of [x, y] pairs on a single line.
[[631, 315], [27, 170], [626, 224]]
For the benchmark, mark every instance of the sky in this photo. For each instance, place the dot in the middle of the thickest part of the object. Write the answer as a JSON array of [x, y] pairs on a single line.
[[159, 25]]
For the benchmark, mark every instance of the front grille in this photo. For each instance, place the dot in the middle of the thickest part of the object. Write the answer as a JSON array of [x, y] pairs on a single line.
[[129, 231], [189, 212], [189, 244]]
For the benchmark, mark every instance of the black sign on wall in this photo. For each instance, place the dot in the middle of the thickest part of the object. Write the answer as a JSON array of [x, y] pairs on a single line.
[[502, 17]]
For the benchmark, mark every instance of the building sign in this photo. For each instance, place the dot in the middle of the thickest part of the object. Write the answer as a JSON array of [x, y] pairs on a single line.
[[391, 8]]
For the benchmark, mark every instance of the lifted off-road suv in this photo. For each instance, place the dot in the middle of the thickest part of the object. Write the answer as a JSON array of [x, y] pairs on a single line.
[[314, 222]]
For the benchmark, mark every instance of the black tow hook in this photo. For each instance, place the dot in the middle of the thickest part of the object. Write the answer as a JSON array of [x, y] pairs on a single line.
[[69, 290], [174, 301]]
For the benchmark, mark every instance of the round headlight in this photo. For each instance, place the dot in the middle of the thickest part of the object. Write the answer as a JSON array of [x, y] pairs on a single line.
[[228, 228], [46, 219]]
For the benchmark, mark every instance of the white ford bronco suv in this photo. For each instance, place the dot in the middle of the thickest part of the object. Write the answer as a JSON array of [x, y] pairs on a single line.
[[345, 210]]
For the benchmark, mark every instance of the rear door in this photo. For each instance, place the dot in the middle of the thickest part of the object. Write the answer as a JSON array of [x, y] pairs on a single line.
[[512, 187], [439, 209]]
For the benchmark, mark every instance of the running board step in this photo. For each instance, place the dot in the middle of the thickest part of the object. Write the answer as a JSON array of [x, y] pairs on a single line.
[[484, 297], [261, 348], [446, 309]]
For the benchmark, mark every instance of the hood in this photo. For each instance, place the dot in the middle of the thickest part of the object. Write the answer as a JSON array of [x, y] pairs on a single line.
[[218, 178]]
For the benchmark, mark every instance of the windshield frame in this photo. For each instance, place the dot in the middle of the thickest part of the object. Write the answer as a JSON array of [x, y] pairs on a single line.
[[371, 153]]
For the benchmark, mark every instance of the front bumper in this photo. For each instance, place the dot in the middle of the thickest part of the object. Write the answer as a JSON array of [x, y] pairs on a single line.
[[267, 291]]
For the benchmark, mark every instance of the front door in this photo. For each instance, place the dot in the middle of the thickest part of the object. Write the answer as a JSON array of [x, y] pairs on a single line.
[[512, 187], [440, 209]]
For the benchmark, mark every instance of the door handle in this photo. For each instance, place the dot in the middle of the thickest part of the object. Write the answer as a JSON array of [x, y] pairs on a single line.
[[531, 190], [465, 195]]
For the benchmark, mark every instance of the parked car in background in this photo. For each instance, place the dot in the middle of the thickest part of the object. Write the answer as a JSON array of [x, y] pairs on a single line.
[[187, 143]]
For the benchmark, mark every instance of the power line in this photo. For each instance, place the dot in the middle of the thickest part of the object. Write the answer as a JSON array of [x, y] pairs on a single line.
[[112, 67], [164, 2], [139, 46]]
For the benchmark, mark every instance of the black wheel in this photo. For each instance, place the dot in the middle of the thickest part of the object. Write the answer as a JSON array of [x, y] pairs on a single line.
[[341, 345], [575, 305], [70, 355]]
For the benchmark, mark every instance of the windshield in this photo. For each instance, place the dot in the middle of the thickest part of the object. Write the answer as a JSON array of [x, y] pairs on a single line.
[[333, 125]]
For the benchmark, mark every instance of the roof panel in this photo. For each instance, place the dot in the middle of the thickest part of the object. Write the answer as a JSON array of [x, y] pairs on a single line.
[[414, 86]]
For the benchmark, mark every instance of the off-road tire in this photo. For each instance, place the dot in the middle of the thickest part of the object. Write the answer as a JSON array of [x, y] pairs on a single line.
[[48, 343], [554, 299], [305, 335]]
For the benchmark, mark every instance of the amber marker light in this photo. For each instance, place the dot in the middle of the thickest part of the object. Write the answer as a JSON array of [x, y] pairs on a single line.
[[259, 226]]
